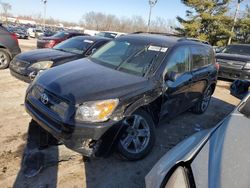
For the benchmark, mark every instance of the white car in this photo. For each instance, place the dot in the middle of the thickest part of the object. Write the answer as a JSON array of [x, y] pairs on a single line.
[[33, 32]]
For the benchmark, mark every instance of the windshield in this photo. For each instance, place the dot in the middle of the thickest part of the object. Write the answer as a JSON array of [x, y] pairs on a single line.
[[237, 49], [107, 34], [60, 34], [77, 45], [129, 57]]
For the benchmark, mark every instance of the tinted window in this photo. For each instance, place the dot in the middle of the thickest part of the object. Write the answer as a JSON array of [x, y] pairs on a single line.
[[60, 34], [130, 57], [179, 60], [107, 34], [76, 45], [201, 56], [237, 49]]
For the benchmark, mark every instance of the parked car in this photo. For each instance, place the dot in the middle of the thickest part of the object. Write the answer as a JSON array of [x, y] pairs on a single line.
[[26, 65], [110, 34], [9, 47], [234, 62], [218, 157], [34, 32], [49, 42], [116, 96], [21, 34]]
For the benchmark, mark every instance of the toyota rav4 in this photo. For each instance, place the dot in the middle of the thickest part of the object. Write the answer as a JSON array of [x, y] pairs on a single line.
[[116, 97]]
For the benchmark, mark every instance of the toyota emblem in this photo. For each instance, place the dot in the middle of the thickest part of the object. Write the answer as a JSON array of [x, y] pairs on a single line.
[[44, 98]]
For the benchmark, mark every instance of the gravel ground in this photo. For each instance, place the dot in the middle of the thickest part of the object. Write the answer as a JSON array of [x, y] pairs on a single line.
[[65, 168]]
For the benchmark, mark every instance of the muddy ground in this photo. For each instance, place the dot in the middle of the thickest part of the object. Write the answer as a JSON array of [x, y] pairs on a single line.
[[66, 168]]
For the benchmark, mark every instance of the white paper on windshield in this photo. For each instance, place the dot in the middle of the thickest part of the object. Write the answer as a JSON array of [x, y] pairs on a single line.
[[88, 41], [164, 49], [157, 48]]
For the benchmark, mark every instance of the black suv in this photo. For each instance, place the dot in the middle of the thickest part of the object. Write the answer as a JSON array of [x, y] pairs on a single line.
[[8, 47], [116, 96], [234, 62]]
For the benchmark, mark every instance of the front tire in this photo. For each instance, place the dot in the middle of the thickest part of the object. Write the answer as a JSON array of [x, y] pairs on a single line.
[[4, 59], [138, 137], [203, 104]]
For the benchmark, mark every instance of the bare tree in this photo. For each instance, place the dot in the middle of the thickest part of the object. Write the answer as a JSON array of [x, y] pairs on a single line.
[[6, 7]]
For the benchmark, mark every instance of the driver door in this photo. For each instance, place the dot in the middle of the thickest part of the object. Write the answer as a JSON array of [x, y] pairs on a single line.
[[176, 93]]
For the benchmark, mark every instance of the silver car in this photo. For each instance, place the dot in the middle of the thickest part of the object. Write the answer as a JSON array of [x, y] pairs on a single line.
[[215, 158]]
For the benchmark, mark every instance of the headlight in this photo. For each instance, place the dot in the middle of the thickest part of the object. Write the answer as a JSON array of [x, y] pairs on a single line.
[[42, 65], [96, 111], [178, 179], [247, 66]]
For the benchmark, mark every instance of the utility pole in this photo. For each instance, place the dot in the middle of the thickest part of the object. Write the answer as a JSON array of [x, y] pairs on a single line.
[[151, 4], [235, 19], [44, 13]]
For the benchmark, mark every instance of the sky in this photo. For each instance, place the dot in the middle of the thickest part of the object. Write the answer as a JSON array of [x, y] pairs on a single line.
[[73, 10]]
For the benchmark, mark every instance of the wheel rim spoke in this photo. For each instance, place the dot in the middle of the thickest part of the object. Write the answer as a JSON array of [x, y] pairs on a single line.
[[136, 122], [143, 132], [137, 144], [127, 141]]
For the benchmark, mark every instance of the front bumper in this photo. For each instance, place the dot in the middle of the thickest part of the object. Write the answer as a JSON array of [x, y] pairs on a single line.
[[21, 77], [86, 139], [234, 74]]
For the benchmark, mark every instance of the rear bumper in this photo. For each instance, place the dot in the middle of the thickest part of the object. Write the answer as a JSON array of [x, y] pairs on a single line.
[[86, 139], [234, 74]]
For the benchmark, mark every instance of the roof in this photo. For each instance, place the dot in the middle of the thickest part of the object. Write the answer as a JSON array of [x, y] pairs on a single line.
[[94, 38], [161, 39]]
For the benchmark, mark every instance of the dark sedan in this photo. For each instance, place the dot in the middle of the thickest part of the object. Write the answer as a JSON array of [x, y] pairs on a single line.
[[51, 41], [215, 158], [234, 62], [26, 65]]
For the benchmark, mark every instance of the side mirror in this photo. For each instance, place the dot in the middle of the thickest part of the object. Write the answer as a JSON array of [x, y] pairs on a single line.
[[93, 50], [172, 76], [239, 88]]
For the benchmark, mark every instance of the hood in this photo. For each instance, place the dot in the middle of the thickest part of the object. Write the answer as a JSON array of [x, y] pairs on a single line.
[[44, 54], [235, 57], [219, 157], [83, 80]]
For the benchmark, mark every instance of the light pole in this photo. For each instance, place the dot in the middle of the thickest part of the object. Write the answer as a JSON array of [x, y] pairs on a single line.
[[44, 13], [235, 19], [151, 4]]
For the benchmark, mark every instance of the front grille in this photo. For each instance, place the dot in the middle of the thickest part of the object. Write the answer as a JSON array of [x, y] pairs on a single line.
[[54, 103], [231, 63]]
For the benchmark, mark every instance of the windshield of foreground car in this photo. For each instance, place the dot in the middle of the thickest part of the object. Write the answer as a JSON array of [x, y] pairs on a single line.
[[237, 49], [77, 45], [133, 58]]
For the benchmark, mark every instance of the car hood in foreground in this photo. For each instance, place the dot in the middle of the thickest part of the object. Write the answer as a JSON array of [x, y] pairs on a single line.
[[44, 55], [235, 57], [83, 80], [220, 157]]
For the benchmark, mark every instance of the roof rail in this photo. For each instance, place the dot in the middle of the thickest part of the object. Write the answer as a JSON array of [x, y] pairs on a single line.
[[157, 33], [195, 40]]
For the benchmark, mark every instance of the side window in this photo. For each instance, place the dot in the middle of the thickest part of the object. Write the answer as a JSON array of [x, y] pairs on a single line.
[[179, 61], [201, 56]]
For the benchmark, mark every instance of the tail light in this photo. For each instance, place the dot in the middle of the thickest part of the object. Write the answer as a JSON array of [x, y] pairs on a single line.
[[13, 35], [50, 44]]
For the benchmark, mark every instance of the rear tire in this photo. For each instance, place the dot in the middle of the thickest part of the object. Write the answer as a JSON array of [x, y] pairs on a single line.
[[138, 137], [4, 59], [203, 104]]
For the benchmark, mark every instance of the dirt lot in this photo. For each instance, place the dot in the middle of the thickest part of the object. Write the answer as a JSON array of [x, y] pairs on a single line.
[[66, 168]]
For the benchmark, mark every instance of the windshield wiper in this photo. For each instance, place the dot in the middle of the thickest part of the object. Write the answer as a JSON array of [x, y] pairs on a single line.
[[146, 68]]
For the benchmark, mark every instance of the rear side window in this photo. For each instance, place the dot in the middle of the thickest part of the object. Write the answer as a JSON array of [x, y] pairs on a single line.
[[201, 56], [179, 60]]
